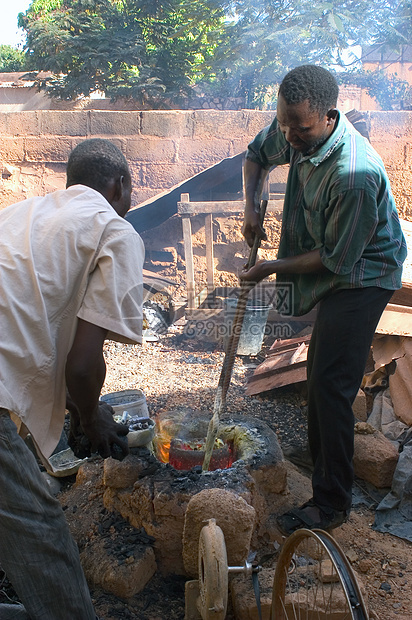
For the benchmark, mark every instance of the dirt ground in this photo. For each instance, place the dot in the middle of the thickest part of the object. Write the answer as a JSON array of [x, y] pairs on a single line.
[[180, 370]]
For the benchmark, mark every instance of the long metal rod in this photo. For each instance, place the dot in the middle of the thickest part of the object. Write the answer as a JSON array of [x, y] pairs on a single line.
[[230, 353]]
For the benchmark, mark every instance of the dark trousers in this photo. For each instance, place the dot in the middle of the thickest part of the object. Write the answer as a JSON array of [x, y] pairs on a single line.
[[37, 551], [337, 355]]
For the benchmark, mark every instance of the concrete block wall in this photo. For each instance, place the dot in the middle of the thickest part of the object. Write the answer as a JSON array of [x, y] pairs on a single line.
[[391, 136], [163, 147]]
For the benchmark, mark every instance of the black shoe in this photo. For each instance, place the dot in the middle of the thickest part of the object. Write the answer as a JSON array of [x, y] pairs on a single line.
[[298, 518]]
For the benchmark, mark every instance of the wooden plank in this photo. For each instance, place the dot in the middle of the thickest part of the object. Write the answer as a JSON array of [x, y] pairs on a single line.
[[294, 375], [210, 265], [295, 356], [277, 368], [396, 321], [190, 280], [403, 296], [279, 346], [222, 207], [285, 365]]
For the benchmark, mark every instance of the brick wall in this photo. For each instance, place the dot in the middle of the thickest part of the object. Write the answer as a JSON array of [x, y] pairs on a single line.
[[391, 136], [163, 147]]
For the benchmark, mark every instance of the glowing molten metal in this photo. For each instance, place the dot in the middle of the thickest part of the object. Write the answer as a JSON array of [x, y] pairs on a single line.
[[186, 454]]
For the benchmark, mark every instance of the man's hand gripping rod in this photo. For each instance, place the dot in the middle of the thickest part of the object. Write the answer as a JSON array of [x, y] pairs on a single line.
[[230, 353]]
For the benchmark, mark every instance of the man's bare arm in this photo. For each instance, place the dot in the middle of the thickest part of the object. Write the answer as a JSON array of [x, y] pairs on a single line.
[[254, 176], [309, 262], [85, 374]]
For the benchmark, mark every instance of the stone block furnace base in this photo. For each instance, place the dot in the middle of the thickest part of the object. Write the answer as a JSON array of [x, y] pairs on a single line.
[[153, 495]]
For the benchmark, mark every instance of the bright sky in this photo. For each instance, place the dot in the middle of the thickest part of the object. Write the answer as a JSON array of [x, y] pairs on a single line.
[[9, 33]]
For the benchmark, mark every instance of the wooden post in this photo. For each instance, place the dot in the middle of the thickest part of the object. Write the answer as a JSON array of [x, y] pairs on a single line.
[[187, 241], [210, 266], [186, 209]]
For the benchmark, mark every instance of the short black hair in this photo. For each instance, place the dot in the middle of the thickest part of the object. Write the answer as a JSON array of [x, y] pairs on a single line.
[[94, 163], [312, 83]]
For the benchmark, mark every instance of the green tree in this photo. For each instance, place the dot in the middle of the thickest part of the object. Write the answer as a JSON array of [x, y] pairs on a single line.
[[11, 59], [131, 48], [397, 30], [266, 38]]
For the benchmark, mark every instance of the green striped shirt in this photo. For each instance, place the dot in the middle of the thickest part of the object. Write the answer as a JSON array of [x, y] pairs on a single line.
[[339, 201]]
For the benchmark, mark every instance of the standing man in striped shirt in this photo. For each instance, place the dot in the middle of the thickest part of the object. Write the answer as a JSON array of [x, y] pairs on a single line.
[[341, 249]]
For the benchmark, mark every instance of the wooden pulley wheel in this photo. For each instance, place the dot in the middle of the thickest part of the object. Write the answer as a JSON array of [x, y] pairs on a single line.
[[213, 573]]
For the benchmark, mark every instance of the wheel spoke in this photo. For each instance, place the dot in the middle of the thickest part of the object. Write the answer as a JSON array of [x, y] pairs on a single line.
[[314, 581]]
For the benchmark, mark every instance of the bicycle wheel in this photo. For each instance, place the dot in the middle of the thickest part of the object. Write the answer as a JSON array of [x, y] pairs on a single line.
[[314, 581]]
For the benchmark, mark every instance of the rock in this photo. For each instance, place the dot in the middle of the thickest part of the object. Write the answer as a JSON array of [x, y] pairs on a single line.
[[122, 474], [360, 406], [352, 556], [243, 597], [121, 579], [375, 458], [326, 572], [364, 428], [233, 515], [365, 566], [386, 586]]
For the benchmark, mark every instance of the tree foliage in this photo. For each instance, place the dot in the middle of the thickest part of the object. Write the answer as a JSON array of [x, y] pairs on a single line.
[[269, 37], [397, 30], [392, 39], [130, 48], [159, 50], [11, 59]]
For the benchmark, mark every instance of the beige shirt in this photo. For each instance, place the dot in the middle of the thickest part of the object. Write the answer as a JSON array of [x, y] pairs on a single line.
[[65, 256]]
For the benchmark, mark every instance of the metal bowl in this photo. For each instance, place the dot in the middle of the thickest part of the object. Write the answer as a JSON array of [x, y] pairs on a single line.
[[141, 430]]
